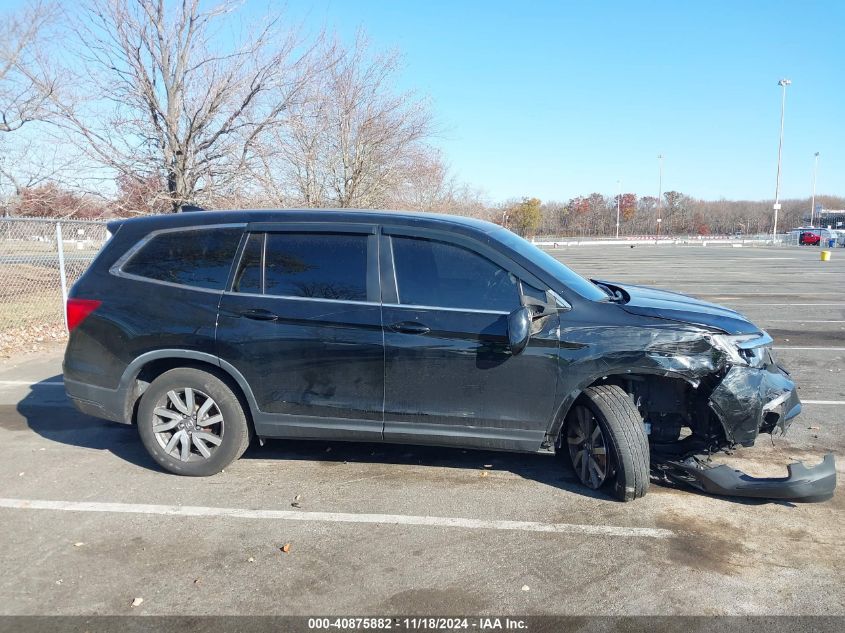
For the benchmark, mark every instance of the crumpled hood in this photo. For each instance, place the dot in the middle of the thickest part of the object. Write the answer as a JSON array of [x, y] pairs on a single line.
[[663, 304]]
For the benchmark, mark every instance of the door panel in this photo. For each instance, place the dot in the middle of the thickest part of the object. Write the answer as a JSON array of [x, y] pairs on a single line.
[[459, 384], [316, 358], [450, 377], [315, 365]]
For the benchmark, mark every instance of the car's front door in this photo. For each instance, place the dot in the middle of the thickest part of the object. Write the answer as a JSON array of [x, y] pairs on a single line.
[[301, 322], [450, 377]]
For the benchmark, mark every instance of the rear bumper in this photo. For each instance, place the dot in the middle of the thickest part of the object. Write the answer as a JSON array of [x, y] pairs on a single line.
[[802, 483], [98, 402]]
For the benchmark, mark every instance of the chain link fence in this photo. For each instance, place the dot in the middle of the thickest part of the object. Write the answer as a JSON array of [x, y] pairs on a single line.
[[40, 259]]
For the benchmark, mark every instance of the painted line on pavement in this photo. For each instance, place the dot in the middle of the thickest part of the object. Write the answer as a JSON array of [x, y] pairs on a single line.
[[823, 402], [335, 517], [29, 383], [819, 349], [789, 305], [796, 321]]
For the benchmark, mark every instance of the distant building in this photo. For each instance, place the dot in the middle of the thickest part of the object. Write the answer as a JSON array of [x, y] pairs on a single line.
[[833, 218]]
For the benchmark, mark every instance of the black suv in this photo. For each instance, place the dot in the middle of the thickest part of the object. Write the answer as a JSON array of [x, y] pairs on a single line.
[[206, 329]]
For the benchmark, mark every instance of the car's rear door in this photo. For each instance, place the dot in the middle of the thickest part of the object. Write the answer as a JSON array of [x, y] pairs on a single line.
[[301, 321], [450, 377]]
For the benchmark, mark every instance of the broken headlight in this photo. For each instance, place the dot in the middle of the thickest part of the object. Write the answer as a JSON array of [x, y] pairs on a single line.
[[751, 350]]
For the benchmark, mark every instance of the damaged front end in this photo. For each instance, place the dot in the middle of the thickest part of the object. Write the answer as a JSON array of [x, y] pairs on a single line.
[[748, 393], [708, 385], [755, 395]]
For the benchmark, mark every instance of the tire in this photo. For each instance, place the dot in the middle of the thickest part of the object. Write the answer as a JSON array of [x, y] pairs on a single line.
[[622, 437], [224, 439]]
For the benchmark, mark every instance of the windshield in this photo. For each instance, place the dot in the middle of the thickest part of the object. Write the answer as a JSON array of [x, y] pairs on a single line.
[[540, 257]]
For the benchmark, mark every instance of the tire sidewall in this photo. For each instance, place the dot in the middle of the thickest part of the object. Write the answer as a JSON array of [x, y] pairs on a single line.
[[234, 421]]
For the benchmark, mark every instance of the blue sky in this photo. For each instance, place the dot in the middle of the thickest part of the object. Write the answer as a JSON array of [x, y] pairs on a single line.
[[555, 98], [552, 99]]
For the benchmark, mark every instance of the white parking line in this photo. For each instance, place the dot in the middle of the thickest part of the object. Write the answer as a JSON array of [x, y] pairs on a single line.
[[336, 517], [820, 349], [797, 321], [739, 295], [787, 305], [29, 383], [823, 402]]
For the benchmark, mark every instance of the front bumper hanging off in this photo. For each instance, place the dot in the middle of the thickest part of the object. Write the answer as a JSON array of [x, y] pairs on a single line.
[[803, 483]]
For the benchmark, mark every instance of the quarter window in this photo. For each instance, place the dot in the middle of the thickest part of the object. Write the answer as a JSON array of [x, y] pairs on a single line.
[[200, 258], [433, 273], [248, 277], [321, 266]]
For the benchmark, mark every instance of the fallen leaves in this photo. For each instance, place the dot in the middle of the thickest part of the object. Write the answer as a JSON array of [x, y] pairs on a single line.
[[33, 337]]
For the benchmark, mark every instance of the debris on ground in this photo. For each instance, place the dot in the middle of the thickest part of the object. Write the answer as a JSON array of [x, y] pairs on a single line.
[[33, 338], [78, 544], [526, 588], [483, 473], [285, 548], [296, 499], [250, 560], [137, 602]]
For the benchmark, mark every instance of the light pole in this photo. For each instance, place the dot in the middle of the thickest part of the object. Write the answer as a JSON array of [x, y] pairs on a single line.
[[783, 83], [659, 191], [813, 201], [618, 206]]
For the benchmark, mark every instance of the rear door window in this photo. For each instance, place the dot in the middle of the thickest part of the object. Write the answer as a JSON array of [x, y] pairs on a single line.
[[439, 274], [201, 257], [313, 265]]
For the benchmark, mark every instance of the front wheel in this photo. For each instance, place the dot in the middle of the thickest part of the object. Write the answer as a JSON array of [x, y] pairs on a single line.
[[192, 423], [606, 442]]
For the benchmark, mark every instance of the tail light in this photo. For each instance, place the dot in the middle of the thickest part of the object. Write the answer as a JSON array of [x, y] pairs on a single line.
[[78, 310]]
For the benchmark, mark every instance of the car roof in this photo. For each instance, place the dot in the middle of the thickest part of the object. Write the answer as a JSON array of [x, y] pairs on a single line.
[[237, 216]]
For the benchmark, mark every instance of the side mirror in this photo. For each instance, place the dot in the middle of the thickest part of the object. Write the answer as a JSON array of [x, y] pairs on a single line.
[[519, 329]]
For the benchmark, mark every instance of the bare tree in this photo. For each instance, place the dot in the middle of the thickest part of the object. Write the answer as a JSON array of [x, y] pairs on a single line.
[[429, 185], [26, 83], [162, 99], [354, 139]]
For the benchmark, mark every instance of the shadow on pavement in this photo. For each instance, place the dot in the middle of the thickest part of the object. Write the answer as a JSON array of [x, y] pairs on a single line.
[[47, 411]]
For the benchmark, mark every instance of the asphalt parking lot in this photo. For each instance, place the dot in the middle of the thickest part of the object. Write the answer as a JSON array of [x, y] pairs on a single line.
[[90, 524]]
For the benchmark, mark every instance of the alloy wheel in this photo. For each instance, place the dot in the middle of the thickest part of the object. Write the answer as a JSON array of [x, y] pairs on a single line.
[[188, 424], [587, 448]]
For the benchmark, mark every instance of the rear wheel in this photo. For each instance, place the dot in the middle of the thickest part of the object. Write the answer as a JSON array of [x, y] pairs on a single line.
[[192, 423], [606, 443]]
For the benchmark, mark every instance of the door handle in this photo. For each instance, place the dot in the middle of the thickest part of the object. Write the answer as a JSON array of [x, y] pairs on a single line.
[[258, 314], [410, 327]]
